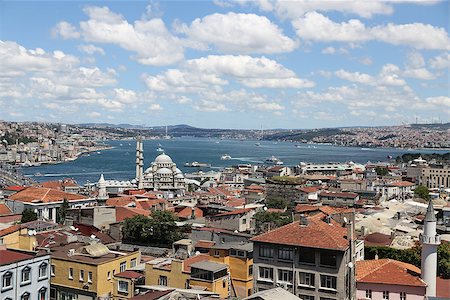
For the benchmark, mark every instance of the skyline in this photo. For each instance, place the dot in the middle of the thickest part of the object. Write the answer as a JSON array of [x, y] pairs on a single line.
[[227, 64]]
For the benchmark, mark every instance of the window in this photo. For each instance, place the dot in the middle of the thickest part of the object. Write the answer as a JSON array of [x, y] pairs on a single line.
[[285, 254], [133, 263], [327, 282], [187, 284], [43, 270], [123, 286], [42, 293], [70, 273], [285, 276], [250, 270], [81, 275], [402, 295], [109, 275], [306, 279], [237, 253], [216, 253], [52, 270], [90, 277], [368, 294], [26, 275], [328, 259], [7, 281], [123, 266], [307, 256], [25, 296], [162, 280], [265, 273], [306, 297], [244, 221], [385, 295], [265, 252]]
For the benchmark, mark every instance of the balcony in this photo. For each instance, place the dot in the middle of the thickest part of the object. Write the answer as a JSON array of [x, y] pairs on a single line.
[[431, 240]]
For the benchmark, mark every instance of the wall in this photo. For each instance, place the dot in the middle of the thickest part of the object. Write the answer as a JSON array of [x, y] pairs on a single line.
[[175, 276], [412, 293]]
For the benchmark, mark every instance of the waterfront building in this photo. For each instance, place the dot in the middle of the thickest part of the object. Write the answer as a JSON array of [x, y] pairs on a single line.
[[163, 175], [312, 258], [86, 271], [433, 176], [24, 275], [430, 241]]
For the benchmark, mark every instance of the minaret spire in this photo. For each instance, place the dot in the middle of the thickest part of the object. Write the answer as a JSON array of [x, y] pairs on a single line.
[[430, 241], [141, 164]]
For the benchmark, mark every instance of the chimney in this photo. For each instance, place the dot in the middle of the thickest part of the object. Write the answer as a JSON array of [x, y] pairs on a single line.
[[376, 256], [303, 220], [193, 213]]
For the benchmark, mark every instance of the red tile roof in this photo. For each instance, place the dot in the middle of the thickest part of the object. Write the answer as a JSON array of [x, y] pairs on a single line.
[[306, 208], [443, 288], [339, 194], [308, 189], [317, 234], [335, 210], [11, 256], [234, 212], [44, 195], [192, 260], [381, 270], [120, 201], [378, 239], [401, 183], [204, 244], [4, 210], [15, 188], [123, 213], [235, 202], [9, 230], [129, 275]]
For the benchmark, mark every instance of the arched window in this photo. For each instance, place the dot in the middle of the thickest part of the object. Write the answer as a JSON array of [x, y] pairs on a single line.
[[7, 281], [43, 270], [42, 293], [26, 275], [25, 296]]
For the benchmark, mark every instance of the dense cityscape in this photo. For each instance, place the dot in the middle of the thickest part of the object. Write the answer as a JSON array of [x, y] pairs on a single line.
[[236, 150]]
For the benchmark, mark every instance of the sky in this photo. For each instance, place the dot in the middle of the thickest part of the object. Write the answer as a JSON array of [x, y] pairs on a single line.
[[226, 64]]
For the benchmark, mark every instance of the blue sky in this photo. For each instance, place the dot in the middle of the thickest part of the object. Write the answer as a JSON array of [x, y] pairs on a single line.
[[226, 64]]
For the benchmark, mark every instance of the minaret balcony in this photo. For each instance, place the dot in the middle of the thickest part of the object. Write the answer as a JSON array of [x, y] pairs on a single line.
[[431, 240]]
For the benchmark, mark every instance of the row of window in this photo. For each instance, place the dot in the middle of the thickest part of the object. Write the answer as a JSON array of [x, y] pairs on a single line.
[[309, 297], [7, 279], [306, 256], [42, 295], [385, 295], [303, 279]]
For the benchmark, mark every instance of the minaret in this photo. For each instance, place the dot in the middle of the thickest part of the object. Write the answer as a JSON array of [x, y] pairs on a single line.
[[101, 186], [141, 165], [430, 241], [138, 157]]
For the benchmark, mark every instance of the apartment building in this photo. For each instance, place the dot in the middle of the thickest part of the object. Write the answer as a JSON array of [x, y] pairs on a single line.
[[338, 198], [86, 271], [312, 258], [24, 275]]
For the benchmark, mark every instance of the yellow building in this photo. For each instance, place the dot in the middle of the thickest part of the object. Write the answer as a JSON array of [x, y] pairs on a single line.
[[195, 272], [126, 283], [239, 258], [16, 237], [86, 271]]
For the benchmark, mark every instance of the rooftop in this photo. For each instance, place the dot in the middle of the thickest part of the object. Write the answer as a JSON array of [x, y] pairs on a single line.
[[8, 256], [129, 275], [209, 266], [62, 252], [44, 195]]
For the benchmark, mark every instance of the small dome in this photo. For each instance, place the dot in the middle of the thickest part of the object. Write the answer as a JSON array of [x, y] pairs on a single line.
[[164, 171], [179, 175], [178, 171], [163, 159], [148, 170]]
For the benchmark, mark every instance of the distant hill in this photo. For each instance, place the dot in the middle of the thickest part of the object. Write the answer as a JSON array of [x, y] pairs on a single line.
[[305, 135], [436, 126]]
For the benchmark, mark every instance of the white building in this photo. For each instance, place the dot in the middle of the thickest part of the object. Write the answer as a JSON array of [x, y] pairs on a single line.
[[24, 275], [163, 175]]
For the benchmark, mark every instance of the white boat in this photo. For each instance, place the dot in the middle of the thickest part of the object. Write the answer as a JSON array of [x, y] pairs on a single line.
[[274, 160], [225, 157], [257, 144], [159, 149], [196, 164]]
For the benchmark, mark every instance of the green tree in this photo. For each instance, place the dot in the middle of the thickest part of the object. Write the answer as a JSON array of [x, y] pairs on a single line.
[[422, 192], [28, 215], [444, 259], [62, 212], [265, 221], [277, 202], [382, 171]]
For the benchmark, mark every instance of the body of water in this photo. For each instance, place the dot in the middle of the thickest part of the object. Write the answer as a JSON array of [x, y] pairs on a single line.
[[119, 162]]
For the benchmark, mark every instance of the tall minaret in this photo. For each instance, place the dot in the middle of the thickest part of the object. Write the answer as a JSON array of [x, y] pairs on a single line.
[[141, 165], [101, 186], [430, 241], [138, 157]]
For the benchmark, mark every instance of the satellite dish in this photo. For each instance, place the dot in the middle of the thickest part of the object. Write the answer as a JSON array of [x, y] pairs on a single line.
[[345, 220]]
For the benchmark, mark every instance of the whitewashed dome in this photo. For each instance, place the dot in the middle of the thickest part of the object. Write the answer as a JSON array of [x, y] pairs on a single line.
[[179, 175], [163, 159], [178, 171], [164, 171], [148, 170]]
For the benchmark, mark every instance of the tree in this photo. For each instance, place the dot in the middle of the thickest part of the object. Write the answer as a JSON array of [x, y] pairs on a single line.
[[265, 221], [62, 212], [277, 202], [382, 171], [422, 192], [28, 215]]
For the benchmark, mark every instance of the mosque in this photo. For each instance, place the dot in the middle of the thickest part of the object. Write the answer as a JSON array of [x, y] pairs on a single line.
[[162, 175]]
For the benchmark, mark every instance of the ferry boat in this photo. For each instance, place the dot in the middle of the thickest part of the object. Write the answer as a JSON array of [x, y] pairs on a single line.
[[257, 144], [159, 149], [225, 157], [274, 160], [196, 164]]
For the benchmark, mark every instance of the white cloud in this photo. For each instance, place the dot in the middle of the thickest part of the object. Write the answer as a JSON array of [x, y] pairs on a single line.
[[149, 39], [238, 33], [125, 96], [438, 101], [317, 27], [329, 50], [94, 114], [210, 106], [91, 49], [65, 30], [354, 77], [154, 107], [271, 106], [441, 61]]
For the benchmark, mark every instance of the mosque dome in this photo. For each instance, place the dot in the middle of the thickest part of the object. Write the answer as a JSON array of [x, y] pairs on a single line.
[[178, 171], [164, 171], [179, 175], [163, 159]]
